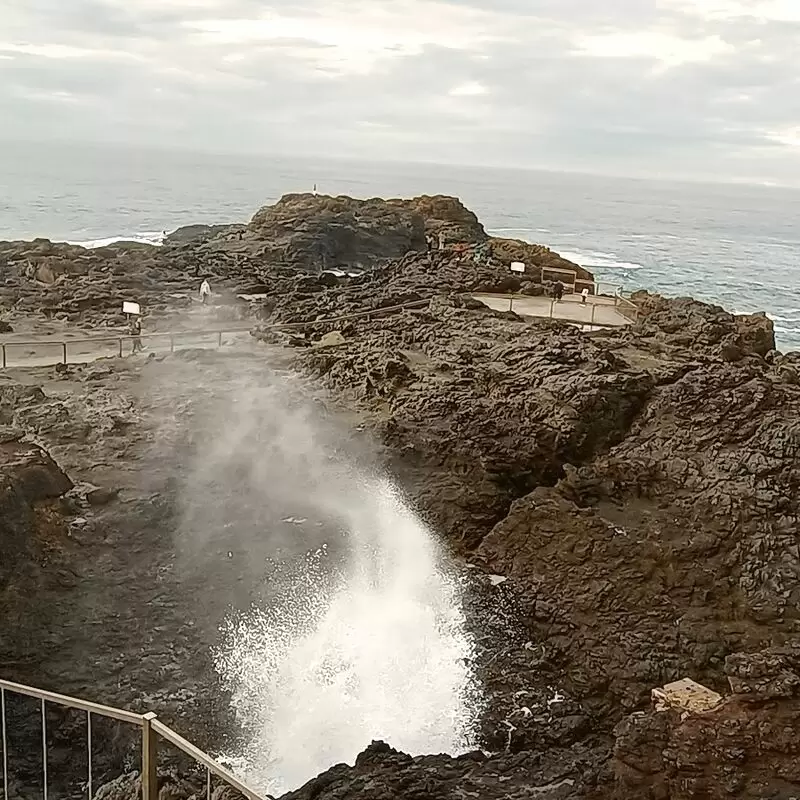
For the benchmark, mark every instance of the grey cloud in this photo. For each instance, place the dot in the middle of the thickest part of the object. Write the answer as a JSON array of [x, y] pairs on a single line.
[[545, 103]]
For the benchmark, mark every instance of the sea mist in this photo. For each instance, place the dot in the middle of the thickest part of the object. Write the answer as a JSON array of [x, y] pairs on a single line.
[[344, 621]]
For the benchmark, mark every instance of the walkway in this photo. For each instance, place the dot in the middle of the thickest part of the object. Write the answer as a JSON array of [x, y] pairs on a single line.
[[46, 352], [599, 310]]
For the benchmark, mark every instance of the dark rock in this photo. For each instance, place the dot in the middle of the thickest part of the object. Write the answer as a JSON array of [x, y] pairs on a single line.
[[100, 496]]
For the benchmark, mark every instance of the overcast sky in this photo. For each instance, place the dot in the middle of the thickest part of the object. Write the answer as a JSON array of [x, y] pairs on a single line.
[[678, 88]]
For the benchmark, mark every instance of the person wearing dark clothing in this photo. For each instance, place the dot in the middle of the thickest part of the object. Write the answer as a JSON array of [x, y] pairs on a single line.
[[558, 290], [136, 334]]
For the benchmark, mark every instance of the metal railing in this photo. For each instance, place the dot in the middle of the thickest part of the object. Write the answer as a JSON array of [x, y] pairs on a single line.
[[120, 344], [124, 343], [151, 729], [593, 301]]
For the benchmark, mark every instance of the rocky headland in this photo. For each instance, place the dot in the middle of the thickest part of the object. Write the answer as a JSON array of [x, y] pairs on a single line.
[[624, 501]]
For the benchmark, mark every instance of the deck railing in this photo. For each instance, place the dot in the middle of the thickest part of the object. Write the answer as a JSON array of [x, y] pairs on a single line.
[[119, 345], [151, 730]]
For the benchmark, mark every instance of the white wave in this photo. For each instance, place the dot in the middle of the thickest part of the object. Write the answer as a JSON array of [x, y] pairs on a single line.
[[369, 643], [598, 259], [495, 231], [155, 238], [788, 315], [520, 231]]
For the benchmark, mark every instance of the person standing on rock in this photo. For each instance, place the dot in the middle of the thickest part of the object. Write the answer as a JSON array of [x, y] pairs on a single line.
[[205, 291], [136, 334], [441, 240]]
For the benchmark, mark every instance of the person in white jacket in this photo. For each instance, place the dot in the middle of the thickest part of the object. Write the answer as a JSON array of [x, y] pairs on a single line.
[[205, 291]]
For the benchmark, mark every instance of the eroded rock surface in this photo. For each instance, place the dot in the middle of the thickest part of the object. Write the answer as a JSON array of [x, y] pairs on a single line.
[[626, 501]]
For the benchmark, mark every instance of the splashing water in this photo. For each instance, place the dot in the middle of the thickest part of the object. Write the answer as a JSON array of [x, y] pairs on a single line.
[[367, 643]]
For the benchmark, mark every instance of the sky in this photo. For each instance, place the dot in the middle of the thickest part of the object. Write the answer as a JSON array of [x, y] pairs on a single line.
[[697, 89]]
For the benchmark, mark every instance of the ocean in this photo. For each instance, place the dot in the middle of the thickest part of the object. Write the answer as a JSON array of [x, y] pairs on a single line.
[[729, 244]]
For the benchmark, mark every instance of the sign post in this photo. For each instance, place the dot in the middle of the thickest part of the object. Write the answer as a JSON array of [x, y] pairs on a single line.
[[518, 267]]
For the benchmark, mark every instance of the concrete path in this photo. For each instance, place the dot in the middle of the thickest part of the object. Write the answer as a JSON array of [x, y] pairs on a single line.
[[600, 310]]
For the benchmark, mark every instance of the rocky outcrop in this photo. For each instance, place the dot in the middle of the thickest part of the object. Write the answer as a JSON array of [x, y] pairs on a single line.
[[632, 489], [744, 748], [381, 771], [33, 535], [288, 243], [313, 233], [29, 483], [688, 325]]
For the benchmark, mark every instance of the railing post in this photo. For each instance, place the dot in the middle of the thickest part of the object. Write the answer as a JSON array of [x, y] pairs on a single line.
[[149, 759], [64, 346], [89, 751], [219, 344], [171, 343], [593, 310], [5, 741], [552, 305], [511, 302], [44, 745], [120, 347], [4, 356]]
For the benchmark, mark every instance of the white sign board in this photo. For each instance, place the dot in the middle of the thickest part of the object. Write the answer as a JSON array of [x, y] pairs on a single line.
[[131, 308], [517, 266]]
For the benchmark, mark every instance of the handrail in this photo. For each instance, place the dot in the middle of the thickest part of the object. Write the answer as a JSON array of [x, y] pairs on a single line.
[[198, 755], [120, 339], [151, 728], [73, 702]]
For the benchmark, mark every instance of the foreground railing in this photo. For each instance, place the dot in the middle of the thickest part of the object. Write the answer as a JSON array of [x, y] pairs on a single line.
[[151, 729]]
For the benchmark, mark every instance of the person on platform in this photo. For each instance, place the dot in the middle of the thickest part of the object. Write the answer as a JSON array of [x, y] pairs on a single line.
[[205, 291], [584, 295], [558, 291], [136, 334]]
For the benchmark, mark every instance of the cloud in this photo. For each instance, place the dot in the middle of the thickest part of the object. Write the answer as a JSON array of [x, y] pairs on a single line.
[[692, 88]]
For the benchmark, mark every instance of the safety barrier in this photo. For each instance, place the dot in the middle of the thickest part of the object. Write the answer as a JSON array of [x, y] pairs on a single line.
[[594, 302], [119, 345], [628, 308], [151, 729]]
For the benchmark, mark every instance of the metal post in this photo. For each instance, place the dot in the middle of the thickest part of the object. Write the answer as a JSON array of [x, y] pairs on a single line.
[[64, 346], [4, 356], [44, 745], [171, 343], [5, 740], [208, 784], [89, 749], [552, 306], [593, 310], [120, 347], [149, 759], [220, 339], [511, 303]]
